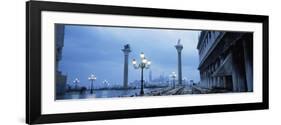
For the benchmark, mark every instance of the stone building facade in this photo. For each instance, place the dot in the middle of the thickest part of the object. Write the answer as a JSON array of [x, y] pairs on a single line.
[[226, 60], [60, 78]]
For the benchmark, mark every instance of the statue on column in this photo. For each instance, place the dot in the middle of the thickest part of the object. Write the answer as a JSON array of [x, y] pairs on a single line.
[[179, 48], [126, 51]]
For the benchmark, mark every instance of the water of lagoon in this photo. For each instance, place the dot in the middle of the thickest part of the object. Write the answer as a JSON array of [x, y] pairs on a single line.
[[102, 94]]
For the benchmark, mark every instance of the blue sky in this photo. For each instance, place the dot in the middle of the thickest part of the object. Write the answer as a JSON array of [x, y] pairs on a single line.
[[97, 50]]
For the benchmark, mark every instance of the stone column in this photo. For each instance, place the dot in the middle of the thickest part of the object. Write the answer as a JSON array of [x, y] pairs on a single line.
[[248, 58], [212, 81], [179, 48], [126, 51], [211, 77], [239, 79], [224, 82], [205, 80], [216, 81], [221, 82], [209, 81]]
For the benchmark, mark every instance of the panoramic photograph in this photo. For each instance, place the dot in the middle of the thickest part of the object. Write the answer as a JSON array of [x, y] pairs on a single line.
[[113, 61]]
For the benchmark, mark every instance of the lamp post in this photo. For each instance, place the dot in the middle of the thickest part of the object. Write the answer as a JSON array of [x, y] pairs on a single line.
[[144, 64], [174, 76], [76, 82], [92, 78]]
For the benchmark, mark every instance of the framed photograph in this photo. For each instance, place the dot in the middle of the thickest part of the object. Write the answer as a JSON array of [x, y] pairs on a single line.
[[95, 62]]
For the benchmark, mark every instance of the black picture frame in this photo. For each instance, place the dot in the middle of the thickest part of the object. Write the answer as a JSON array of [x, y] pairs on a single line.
[[33, 61]]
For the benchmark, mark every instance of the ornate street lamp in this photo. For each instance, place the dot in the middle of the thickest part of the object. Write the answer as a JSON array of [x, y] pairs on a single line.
[[144, 64], [92, 78], [76, 82], [174, 76]]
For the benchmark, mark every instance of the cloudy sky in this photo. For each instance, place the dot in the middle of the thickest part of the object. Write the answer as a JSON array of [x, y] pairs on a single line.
[[97, 50]]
